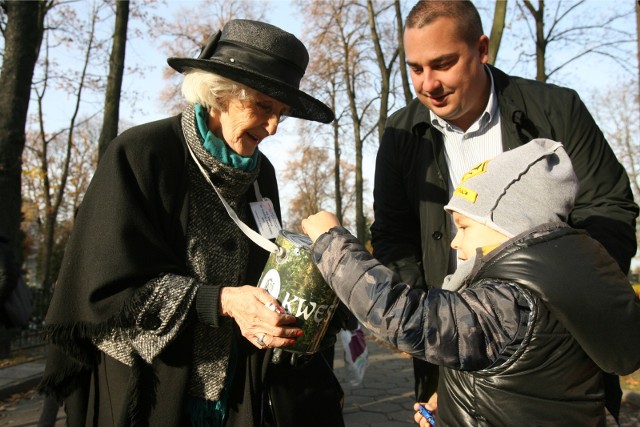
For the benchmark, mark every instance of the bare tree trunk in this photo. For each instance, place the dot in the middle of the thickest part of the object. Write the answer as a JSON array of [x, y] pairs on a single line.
[[350, 76], [337, 173], [22, 39], [638, 50], [361, 224], [349, 79], [358, 140], [499, 15], [341, 31], [599, 34], [53, 195], [385, 70], [114, 81], [541, 41], [406, 86]]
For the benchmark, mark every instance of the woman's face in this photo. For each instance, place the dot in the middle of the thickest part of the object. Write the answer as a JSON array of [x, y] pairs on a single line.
[[245, 123]]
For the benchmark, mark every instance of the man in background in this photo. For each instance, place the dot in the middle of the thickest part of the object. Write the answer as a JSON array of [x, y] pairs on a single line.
[[465, 112]]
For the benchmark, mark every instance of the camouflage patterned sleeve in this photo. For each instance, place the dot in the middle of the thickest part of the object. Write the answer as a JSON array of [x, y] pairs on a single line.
[[471, 330]]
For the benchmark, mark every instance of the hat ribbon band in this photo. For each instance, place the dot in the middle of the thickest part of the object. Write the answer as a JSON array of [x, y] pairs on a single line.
[[258, 61]]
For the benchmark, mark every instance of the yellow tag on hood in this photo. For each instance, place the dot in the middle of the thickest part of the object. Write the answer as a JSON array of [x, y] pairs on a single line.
[[479, 169], [466, 193]]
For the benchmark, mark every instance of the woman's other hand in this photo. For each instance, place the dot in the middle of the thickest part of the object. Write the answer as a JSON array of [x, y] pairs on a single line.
[[319, 223], [262, 326]]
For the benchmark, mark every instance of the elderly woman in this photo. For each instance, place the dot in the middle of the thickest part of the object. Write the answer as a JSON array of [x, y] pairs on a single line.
[[156, 319]]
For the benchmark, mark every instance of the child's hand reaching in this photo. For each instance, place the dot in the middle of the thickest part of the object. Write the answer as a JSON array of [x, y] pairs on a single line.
[[319, 223]]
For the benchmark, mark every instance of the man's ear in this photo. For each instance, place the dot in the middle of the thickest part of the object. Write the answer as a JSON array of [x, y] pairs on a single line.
[[483, 48]]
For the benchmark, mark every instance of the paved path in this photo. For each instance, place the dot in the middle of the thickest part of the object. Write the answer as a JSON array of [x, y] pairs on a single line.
[[384, 399]]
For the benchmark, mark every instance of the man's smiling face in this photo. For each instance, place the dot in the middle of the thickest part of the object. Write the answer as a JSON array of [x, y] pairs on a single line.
[[448, 74]]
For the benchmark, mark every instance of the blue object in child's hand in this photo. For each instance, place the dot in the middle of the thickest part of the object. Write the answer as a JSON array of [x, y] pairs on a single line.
[[427, 414]]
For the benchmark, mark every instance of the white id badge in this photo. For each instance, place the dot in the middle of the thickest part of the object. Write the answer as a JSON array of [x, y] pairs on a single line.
[[266, 219]]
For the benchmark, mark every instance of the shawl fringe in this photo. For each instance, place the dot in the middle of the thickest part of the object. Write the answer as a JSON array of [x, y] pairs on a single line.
[[74, 356], [61, 384], [142, 392]]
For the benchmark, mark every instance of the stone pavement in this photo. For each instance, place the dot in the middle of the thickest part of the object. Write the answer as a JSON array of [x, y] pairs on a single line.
[[385, 397], [21, 377]]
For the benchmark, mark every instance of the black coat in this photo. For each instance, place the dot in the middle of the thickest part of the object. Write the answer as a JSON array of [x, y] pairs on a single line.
[[131, 228], [411, 184]]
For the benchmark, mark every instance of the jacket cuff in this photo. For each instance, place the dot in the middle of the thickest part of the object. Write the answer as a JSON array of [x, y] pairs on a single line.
[[207, 302], [324, 240]]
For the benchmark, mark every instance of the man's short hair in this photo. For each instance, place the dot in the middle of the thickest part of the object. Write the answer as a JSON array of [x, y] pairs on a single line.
[[464, 13]]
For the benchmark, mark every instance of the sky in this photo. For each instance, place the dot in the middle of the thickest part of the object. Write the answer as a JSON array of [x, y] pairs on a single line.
[[147, 107], [283, 14]]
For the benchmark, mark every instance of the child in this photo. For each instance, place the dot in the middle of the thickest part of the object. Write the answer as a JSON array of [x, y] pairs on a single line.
[[534, 313]]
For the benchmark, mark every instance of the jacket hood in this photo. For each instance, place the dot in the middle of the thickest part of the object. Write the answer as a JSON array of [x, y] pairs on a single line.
[[581, 285]]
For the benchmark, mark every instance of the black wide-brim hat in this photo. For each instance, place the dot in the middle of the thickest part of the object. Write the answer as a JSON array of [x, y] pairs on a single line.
[[262, 57]]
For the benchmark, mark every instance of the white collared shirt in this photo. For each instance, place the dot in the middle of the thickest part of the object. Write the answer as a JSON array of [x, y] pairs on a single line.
[[482, 141]]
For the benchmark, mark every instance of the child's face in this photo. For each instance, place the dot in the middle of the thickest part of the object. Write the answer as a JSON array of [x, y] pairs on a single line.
[[471, 235]]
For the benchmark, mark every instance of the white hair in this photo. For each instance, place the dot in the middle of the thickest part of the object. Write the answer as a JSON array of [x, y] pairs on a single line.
[[213, 91]]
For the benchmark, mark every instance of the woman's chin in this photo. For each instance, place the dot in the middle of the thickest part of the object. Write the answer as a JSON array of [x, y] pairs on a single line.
[[248, 151], [248, 147]]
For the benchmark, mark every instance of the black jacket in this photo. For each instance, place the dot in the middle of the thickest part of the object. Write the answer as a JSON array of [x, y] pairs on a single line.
[[411, 232], [524, 343], [411, 229]]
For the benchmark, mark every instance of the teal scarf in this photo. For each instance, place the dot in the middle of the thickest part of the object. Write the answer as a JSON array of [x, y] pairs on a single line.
[[218, 148], [205, 413]]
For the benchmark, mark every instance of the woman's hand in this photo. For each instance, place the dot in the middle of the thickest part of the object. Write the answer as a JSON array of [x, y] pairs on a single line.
[[431, 406], [319, 223], [262, 326]]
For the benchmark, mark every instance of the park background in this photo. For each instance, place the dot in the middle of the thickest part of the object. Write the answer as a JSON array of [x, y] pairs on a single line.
[[92, 80]]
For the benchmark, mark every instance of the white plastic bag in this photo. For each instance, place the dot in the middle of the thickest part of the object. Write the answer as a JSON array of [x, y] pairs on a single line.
[[356, 356]]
